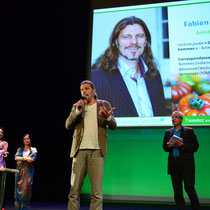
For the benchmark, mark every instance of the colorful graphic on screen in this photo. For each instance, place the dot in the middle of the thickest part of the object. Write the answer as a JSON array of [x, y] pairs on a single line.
[[149, 61]]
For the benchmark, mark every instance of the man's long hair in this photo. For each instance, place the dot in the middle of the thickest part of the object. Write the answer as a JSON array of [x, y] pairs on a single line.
[[109, 60]]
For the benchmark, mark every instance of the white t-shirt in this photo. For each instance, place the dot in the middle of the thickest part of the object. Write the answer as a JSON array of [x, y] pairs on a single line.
[[90, 136]]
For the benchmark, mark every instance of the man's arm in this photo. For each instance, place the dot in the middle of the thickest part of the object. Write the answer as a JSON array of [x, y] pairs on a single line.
[[106, 111], [111, 122], [167, 146], [191, 145], [73, 117]]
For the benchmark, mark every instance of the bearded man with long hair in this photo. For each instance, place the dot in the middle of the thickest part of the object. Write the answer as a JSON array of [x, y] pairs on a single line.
[[127, 75]]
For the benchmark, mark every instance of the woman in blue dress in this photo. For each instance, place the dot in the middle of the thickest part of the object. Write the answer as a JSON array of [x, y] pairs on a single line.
[[25, 158]]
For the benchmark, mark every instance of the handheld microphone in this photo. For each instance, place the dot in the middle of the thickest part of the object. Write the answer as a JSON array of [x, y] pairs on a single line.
[[84, 96]]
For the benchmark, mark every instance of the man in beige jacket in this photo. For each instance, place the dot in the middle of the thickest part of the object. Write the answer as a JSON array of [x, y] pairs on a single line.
[[89, 118]]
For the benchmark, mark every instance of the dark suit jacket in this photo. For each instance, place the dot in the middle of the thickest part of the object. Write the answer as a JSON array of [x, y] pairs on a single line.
[[76, 122], [186, 152], [113, 89]]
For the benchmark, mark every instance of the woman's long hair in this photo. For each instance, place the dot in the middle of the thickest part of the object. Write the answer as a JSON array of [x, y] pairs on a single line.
[[30, 140], [109, 60]]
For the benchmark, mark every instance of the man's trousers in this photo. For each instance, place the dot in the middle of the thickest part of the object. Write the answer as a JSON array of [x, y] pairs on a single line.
[[91, 161]]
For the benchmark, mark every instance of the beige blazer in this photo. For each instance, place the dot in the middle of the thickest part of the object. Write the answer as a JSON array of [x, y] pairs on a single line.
[[77, 122]]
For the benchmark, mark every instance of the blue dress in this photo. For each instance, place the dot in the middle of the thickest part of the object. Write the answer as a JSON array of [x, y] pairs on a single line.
[[24, 180]]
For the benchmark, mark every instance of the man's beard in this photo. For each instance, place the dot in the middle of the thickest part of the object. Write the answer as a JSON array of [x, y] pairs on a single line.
[[131, 58]]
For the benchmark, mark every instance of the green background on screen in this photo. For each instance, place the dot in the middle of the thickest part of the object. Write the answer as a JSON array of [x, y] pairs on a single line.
[[136, 164]]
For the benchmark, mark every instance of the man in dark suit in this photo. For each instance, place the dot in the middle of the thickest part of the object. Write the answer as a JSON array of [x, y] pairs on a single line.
[[126, 74], [181, 165]]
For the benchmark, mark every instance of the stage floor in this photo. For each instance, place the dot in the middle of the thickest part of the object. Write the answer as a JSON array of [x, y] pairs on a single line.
[[107, 206]]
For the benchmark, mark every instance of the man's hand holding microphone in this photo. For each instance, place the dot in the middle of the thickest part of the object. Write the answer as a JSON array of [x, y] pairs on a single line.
[[81, 102]]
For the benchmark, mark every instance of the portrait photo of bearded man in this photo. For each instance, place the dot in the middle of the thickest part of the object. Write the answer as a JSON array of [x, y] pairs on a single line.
[[127, 75]]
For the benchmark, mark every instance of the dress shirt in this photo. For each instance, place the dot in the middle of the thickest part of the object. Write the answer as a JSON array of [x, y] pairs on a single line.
[[137, 88]]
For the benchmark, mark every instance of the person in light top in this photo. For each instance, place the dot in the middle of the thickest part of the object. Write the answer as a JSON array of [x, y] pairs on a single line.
[[3, 155], [3, 149]]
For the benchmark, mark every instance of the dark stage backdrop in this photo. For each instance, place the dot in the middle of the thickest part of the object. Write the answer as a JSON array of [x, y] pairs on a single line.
[[43, 61], [44, 58]]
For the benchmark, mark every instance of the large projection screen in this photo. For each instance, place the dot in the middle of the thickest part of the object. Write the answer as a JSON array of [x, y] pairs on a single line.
[[136, 165], [181, 46]]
